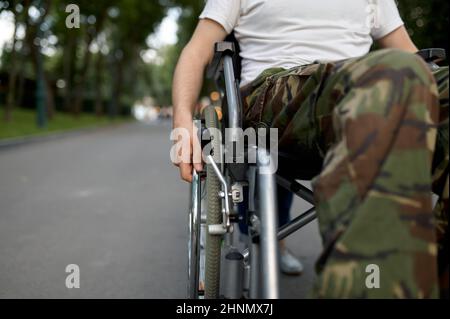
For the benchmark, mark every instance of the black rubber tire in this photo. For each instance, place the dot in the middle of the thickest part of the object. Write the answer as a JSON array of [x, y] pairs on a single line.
[[214, 216]]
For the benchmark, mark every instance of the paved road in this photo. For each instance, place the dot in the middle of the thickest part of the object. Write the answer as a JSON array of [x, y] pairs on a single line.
[[110, 202]]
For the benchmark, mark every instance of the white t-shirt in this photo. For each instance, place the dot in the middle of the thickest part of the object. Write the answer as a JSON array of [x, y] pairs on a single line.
[[288, 33]]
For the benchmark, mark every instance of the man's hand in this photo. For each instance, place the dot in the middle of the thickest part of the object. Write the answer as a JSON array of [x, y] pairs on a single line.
[[188, 80], [191, 147]]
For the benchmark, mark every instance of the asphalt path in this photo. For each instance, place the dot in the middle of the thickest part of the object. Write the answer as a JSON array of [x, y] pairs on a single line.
[[111, 202]]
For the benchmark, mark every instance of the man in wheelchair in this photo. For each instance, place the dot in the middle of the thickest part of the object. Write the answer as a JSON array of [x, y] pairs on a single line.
[[372, 127]]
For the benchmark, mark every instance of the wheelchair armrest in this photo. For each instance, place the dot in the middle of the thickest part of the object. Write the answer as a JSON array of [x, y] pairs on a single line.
[[434, 55], [220, 50]]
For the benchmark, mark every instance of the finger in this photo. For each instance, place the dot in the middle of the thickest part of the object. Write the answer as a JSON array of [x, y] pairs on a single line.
[[186, 172], [196, 153], [198, 167]]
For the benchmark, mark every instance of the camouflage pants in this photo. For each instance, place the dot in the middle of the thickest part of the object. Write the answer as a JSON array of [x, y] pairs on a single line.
[[378, 125]]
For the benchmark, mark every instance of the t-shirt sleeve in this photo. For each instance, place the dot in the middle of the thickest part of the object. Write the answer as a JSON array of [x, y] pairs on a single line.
[[224, 12], [386, 18]]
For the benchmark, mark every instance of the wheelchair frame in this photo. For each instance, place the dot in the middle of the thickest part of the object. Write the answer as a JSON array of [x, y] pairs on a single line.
[[244, 268]]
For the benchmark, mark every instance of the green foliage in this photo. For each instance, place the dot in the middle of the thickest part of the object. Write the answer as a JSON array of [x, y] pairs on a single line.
[[427, 22], [160, 76], [122, 25]]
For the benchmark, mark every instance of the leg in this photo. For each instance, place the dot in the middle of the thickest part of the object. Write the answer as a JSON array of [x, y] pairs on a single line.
[[374, 120], [289, 264], [373, 194], [284, 203], [285, 199]]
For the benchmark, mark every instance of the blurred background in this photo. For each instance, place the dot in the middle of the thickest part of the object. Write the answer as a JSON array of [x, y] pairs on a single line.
[[122, 56], [108, 199]]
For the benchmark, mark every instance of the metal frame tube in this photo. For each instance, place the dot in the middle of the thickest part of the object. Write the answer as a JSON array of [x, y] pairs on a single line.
[[254, 271], [268, 235], [297, 188], [194, 237], [224, 185], [234, 110], [297, 223]]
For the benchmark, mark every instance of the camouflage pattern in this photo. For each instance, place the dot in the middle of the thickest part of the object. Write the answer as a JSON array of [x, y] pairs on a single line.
[[379, 128]]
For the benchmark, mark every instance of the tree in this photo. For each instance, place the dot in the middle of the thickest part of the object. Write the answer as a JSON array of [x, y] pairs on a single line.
[[20, 14], [136, 20], [96, 14], [160, 76], [35, 34], [427, 22]]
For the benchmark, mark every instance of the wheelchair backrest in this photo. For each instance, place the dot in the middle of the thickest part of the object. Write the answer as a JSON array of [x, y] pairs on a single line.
[[237, 59]]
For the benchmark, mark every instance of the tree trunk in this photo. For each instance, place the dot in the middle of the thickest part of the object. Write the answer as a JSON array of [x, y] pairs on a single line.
[[10, 100], [79, 86], [24, 53], [98, 85], [69, 66], [117, 89], [36, 55], [90, 37], [50, 94]]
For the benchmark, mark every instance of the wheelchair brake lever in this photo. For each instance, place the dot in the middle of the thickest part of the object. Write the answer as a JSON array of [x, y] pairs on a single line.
[[225, 227]]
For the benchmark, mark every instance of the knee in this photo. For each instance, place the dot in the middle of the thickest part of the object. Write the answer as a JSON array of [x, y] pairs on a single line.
[[396, 71], [404, 64]]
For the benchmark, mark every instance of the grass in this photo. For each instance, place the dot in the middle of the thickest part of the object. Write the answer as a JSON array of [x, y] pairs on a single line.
[[23, 123]]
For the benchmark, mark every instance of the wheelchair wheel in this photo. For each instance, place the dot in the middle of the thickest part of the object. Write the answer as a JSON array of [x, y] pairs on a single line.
[[214, 214], [195, 248]]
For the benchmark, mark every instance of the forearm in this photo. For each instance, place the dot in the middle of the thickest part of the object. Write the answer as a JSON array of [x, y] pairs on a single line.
[[398, 39], [187, 84]]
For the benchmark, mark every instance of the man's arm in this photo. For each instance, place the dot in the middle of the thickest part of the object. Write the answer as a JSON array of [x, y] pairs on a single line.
[[398, 39], [188, 79]]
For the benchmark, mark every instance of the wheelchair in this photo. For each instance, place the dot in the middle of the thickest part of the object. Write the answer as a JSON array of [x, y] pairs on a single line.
[[218, 265]]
